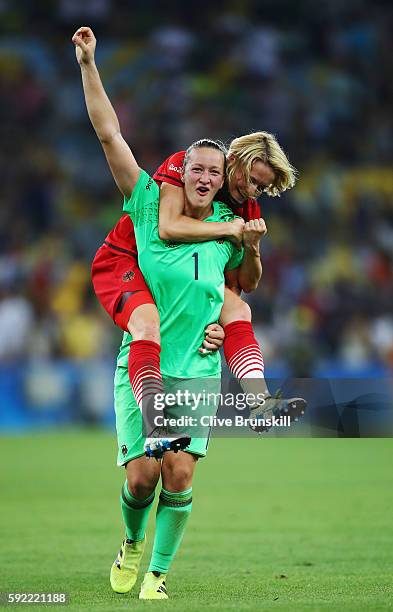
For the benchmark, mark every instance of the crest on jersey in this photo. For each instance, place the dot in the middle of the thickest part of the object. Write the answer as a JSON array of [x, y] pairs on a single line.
[[128, 276]]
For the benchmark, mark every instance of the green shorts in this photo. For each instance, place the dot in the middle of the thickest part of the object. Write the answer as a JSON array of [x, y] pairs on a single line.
[[193, 419]]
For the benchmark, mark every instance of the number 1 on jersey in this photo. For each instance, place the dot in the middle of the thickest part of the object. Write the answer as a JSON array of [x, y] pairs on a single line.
[[195, 255]]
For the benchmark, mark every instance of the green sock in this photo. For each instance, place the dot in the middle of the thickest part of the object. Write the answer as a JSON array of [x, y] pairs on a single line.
[[135, 513], [173, 511]]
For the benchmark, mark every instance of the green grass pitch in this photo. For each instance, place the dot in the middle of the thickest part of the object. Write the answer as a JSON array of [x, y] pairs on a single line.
[[277, 524]]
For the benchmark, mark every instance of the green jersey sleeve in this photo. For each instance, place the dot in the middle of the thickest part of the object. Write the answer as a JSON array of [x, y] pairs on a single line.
[[142, 205]]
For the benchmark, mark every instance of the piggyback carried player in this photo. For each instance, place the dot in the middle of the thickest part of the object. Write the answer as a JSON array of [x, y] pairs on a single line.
[[187, 280], [256, 164]]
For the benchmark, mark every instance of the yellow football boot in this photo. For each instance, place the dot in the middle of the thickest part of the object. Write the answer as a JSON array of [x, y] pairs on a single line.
[[124, 570], [153, 587]]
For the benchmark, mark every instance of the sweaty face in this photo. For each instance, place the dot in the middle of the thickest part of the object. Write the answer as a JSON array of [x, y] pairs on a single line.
[[203, 176], [261, 176]]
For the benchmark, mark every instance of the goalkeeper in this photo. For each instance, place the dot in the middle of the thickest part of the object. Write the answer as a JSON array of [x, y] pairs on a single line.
[[187, 282]]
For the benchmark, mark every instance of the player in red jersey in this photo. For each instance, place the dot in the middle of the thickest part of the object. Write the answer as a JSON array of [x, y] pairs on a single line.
[[256, 164], [122, 290]]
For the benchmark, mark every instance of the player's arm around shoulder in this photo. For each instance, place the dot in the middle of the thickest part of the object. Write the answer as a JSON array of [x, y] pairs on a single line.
[[175, 225], [102, 115], [171, 212], [250, 270]]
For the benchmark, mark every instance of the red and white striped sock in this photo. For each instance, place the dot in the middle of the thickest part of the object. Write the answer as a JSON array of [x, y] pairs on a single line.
[[244, 357], [144, 371]]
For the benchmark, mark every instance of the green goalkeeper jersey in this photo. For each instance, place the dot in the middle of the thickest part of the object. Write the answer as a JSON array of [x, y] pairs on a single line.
[[186, 281]]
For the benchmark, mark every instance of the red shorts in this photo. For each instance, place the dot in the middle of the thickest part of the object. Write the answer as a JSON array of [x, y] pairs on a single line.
[[115, 275]]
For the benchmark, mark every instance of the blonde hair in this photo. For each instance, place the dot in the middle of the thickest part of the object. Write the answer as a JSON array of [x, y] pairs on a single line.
[[261, 146]]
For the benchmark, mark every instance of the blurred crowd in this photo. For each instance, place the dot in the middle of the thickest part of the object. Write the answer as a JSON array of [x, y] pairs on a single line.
[[319, 79]]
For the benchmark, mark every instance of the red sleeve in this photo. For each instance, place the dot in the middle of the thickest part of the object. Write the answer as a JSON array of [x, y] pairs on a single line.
[[251, 210], [170, 170]]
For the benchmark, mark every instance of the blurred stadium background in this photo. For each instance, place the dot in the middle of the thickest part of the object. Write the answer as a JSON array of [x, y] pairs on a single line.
[[318, 75], [317, 530]]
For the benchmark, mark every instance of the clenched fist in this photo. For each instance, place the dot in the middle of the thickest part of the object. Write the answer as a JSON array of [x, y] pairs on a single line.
[[85, 45], [254, 230]]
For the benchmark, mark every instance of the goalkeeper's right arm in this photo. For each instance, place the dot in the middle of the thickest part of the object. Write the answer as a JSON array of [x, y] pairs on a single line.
[[102, 115]]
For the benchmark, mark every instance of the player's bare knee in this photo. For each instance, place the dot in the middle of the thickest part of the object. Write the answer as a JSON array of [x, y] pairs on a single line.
[[142, 477], [145, 325], [141, 485], [148, 331], [242, 312], [177, 475], [236, 311], [179, 480]]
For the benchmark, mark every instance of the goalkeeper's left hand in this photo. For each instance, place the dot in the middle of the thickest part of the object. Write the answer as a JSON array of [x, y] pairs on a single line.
[[214, 338]]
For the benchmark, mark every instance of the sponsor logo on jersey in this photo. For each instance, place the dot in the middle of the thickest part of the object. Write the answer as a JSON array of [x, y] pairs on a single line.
[[149, 184], [128, 276], [175, 168]]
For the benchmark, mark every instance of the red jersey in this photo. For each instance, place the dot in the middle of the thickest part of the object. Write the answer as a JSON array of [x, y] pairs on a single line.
[[121, 239]]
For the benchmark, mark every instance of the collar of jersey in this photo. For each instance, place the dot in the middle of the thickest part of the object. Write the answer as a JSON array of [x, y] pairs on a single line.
[[215, 204]]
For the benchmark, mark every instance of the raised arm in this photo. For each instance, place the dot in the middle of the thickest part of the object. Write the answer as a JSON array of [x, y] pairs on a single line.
[[174, 225], [102, 115]]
